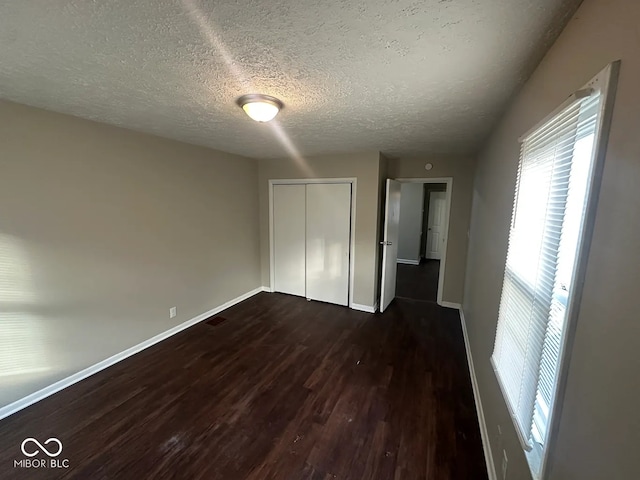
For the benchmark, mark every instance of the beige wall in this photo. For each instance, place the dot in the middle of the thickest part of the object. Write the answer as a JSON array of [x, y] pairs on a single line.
[[101, 231], [600, 424], [410, 225], [461, 169], [363, 166]]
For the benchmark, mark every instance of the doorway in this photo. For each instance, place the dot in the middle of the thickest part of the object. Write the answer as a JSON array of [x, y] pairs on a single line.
[[414, 268]]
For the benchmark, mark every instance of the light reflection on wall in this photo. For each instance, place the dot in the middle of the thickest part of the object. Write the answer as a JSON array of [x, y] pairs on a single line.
[[15, 273], [22, 345]]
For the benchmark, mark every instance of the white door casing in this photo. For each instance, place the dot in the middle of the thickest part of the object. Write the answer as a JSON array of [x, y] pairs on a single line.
[[289, 238], [328, 233], [390, 244], [436, 225]]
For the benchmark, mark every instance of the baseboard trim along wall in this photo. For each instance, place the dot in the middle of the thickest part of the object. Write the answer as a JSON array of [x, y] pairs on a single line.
[[408, 262], [364, 308], [484, 433], [457, 306], [118, 357]]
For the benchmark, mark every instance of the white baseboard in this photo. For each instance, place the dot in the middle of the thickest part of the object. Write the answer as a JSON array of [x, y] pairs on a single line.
[[364, 308], [87, 372], [267, 289], [408, 262], [457, 306], [484, 433]]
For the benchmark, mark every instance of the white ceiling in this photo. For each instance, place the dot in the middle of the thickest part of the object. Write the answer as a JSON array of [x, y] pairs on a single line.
[[404, 77]]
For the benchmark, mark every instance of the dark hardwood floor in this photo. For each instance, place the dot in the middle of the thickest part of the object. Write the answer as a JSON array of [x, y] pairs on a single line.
[[277, 388], [418, 282]]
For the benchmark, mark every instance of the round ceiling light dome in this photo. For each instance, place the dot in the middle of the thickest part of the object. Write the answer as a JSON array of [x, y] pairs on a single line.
[[261, 108]]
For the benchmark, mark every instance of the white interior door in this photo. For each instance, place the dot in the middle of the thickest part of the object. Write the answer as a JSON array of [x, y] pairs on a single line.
[[328, 242], [436, 225], [289, 238], [390, 244]]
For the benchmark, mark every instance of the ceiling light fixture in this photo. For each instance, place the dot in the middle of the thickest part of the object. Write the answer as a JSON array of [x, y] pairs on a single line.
[[261, 108]]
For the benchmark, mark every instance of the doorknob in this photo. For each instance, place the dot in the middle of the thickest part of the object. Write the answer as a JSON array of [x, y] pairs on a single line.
[[386, 243]]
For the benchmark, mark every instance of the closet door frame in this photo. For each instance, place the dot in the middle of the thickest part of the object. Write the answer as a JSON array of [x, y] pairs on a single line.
[[352, 236]]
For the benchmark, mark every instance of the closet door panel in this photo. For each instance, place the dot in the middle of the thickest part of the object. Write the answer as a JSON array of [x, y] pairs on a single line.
[[289, 238], [328, 209]]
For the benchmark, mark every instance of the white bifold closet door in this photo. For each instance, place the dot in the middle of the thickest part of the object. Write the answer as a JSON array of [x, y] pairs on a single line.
[[289, 238], [328, 233]]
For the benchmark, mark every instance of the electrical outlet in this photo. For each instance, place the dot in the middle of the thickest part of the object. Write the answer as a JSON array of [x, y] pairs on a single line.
[[173, 311], [504, 464]]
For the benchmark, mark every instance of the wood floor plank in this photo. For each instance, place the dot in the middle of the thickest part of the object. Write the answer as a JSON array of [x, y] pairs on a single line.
[[280, 389], [418, 282]]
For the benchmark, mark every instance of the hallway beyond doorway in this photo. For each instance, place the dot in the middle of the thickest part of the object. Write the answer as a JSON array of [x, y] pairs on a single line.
[[418, 282]]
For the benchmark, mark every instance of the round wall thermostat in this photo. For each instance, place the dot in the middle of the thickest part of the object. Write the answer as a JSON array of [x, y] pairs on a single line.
[[428, 166]]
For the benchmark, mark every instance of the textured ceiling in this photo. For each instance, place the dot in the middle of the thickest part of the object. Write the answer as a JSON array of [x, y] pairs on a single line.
[[404, 77]]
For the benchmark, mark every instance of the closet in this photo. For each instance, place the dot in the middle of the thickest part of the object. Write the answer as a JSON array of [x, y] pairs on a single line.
[[311, 235]]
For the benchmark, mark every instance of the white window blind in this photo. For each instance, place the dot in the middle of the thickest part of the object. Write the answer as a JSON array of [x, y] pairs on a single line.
[[554, 174]]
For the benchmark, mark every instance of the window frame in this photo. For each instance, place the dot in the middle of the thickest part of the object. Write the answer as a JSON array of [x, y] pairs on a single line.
[[606, 83]]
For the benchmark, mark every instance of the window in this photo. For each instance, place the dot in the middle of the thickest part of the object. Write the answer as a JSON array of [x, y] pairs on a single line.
[[556, 191]]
